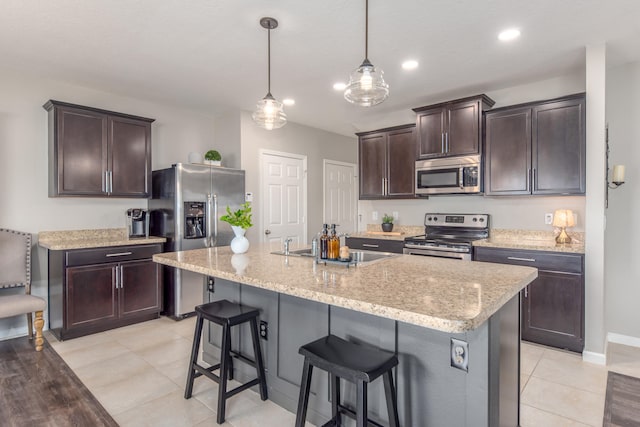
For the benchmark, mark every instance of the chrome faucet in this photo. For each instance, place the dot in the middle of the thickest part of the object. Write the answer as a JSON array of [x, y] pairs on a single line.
[[286, 245]]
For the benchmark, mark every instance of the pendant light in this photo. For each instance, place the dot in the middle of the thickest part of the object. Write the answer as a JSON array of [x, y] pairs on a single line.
[[366, 85], [269, 113]]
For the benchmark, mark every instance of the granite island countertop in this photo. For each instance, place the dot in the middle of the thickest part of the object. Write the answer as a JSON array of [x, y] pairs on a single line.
[[441, 294], [84, 239]]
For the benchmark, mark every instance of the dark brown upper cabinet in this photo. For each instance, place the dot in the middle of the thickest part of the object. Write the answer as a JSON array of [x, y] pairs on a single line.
[[386, 160], [98, 153], [451, 128], [536, 148]]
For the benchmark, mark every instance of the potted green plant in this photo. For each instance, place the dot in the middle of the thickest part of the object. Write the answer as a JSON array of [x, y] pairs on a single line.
[[213, 157], [387, 223], [240, 221]]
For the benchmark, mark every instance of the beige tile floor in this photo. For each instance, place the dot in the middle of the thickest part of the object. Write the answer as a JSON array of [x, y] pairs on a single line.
[[138, 373]]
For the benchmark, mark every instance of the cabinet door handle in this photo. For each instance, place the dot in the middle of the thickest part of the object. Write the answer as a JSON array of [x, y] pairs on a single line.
[[533, 180], [442, 143], [118, 254], [121, 278], [386, 186], [446, 142], [515, 258], [528, 180], [383, 186], [116, 274], [105, 183], [526, 291], [369, 245]]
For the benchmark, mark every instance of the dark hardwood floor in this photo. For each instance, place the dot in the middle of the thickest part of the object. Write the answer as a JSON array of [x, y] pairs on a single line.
[[39, 389]]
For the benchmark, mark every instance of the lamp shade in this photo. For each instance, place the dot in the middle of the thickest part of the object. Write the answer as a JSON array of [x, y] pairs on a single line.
[[366, 86], [269, 113], [563, 218]]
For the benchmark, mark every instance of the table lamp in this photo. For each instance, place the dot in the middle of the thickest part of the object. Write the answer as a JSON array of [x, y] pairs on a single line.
[[563, 218]]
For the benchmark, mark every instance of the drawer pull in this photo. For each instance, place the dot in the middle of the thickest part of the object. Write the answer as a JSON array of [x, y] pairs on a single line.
[[515, 258], [119, 254], [369, 245]]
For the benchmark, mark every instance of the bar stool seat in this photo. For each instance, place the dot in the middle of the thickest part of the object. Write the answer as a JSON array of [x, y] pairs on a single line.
[[226, 314], [354, 363]]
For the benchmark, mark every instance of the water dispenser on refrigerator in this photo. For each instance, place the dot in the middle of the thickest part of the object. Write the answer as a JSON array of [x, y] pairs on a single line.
[[194, 220]]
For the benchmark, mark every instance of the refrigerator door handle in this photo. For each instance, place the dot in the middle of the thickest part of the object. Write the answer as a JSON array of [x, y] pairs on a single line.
[[208, 214], [215, 220]]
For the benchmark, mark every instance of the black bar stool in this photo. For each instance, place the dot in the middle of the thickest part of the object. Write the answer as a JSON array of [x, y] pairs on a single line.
[[355, 363], [226, 314]]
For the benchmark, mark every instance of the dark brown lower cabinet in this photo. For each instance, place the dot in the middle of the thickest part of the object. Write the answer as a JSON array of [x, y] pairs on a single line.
[[380, 245], [552, 306], [93, 290]]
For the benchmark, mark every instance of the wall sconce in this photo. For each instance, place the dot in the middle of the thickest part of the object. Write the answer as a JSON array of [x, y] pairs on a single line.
[[617, 177], [563, 218]]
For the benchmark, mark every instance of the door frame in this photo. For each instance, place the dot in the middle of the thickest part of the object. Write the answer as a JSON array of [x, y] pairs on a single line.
[[325, 162], [263, 198]]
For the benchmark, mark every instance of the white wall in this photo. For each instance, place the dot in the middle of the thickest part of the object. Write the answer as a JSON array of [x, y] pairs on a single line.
[[25, 203], [622, 253], [506, 212], [296, 139]]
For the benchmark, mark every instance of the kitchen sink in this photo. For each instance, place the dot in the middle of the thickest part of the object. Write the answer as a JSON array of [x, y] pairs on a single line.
[[358, 257], [296, 252]]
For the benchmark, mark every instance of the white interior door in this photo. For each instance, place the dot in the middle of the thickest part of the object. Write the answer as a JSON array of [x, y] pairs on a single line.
[[340, 195], [284, 205]]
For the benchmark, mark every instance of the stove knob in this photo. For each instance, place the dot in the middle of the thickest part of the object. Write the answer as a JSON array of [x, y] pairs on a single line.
[[481, 219], [435, 218], [429, 219], [475, 219]]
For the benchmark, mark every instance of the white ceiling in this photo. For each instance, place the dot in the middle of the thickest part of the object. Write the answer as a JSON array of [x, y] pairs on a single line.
[[212, 54]]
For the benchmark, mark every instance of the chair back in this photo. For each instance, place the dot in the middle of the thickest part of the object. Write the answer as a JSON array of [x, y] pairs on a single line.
[[15, 259]]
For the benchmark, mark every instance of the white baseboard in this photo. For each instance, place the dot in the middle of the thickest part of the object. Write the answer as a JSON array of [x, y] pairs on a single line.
[[623, 339], [595, 358]]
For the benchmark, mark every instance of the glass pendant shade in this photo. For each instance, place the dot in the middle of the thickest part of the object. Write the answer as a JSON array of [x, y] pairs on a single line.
[[269, 113], [366, 86]]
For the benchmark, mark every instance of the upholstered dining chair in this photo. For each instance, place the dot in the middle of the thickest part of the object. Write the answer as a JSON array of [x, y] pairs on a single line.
[[15, 271]]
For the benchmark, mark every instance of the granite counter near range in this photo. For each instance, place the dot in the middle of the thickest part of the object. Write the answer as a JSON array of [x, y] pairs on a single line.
[[412, 306], [531, 240]]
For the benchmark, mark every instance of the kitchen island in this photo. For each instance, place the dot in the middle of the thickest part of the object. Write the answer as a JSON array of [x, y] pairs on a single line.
[[411, 305]]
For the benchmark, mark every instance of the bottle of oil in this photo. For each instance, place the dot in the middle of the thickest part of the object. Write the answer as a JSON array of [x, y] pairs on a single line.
[[324, 243], [334, 244]]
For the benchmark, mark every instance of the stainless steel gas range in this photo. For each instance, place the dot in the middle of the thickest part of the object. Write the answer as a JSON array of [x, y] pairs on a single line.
[[448, 235]]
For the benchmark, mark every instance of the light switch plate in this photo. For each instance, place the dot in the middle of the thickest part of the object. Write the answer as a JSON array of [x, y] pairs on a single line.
[[395, 215], [374, 215]]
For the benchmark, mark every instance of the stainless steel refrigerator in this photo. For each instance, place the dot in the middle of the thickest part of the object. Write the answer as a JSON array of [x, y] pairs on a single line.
[[185, 208]]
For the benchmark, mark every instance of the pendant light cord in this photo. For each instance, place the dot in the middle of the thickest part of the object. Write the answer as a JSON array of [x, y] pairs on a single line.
[[366, 30], [269, 60]]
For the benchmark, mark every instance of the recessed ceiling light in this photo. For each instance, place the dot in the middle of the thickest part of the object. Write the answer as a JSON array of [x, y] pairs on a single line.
[[339, 86], [410, 65], [508, 35], [288, 101]]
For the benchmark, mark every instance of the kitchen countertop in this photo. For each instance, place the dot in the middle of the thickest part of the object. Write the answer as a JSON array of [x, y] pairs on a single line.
[[374, 230], [442, 294], [84, 239], [532, 240]]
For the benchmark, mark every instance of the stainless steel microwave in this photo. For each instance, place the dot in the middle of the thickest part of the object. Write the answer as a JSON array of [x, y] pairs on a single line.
[[449, 175]]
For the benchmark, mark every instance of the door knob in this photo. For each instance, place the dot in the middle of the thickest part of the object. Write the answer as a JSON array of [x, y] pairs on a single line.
[[267, 232]]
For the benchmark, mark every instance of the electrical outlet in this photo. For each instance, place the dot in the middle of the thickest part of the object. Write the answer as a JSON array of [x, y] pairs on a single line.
[[460, 354], [264, 330], [210, 283], [548, 218], [395, 215], [374, 215]]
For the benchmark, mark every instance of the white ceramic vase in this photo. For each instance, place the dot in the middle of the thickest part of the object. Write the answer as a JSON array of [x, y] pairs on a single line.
[[239, 244]]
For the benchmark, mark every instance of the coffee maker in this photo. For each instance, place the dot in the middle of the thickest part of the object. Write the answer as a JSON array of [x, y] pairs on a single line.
[[138, 222]]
